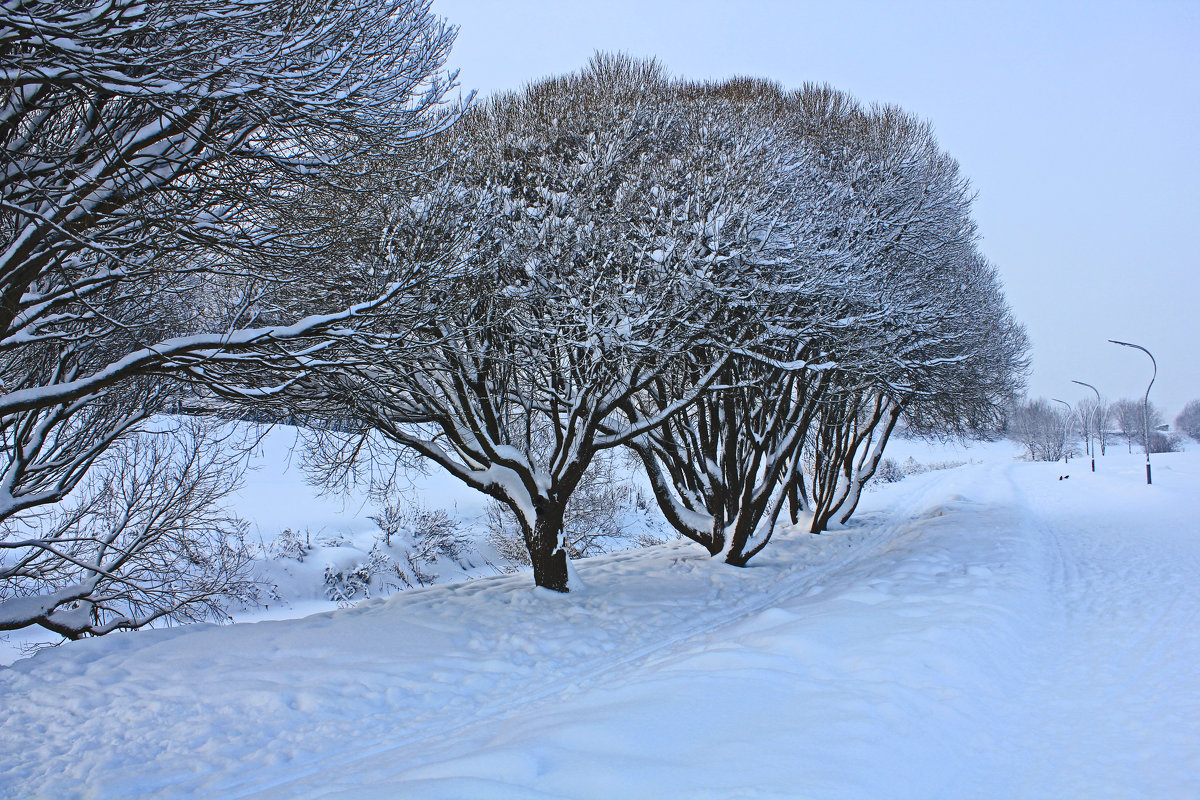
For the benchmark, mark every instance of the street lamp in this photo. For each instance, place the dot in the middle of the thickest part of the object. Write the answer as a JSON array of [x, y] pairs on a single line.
[[1095, 424], [1145, 401], [1066, 450]]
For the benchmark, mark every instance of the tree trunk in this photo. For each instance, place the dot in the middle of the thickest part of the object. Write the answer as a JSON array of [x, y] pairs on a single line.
[[543, 542]]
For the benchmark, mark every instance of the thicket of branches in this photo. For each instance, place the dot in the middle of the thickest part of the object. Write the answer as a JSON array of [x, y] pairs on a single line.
[[148, 535], [179, 176], [747, 286]]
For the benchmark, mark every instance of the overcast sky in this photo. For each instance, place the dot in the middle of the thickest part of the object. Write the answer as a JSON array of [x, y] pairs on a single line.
[[1078, 124]]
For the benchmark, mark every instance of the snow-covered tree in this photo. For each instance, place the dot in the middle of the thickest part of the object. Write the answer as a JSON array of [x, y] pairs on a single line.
[[936, 341], [700, 271], [722, 465], [1042, 428], [172, 172], [881, 306], [596, 212], [1188, 421], [1131, 420]]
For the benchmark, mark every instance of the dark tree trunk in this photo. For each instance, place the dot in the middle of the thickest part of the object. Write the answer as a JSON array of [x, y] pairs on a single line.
[[549, 560]]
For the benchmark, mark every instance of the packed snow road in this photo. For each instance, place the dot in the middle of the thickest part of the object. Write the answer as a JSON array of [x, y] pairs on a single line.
[[989, 631]]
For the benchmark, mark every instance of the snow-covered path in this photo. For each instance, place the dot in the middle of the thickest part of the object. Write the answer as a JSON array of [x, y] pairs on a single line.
[[1118, 706], [988, 631]]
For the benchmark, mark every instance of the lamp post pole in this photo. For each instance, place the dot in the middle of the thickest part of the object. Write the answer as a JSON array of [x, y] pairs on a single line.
[[1095, 424], [1145, 401], [1066, 445]]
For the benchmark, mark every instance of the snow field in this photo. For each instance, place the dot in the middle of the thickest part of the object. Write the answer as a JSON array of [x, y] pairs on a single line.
[[987, 631]]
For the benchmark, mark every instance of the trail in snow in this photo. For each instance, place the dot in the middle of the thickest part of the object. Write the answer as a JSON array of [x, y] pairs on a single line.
[[388, 675], [987, 631], [654, 630], [1115, 701], [885, 683]]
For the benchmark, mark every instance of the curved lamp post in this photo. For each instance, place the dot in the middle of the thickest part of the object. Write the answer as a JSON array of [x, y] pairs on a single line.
[[1145, 401], [1095, 424], [1070, 415]]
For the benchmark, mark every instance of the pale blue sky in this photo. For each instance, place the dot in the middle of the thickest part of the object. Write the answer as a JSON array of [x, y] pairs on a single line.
[[1076, 122]]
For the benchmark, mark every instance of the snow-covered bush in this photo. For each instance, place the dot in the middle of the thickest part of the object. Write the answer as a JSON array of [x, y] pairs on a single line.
[[889, 471], [413, 546], [505, 537], [290, 544], [426, 533], [913, 467], [1161, 442], [345, 585]]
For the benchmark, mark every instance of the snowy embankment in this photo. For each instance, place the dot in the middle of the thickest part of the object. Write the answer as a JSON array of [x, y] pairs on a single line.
[[987, 631]]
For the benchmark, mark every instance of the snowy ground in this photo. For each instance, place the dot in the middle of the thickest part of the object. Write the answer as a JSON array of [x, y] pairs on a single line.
[[985, 631]]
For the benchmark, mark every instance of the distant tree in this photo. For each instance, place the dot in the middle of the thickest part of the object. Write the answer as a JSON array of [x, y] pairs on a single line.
[[1188, 421], [1092, 418], [1127, 416], [1042, 428], [1102, 422], [1130, 417]]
